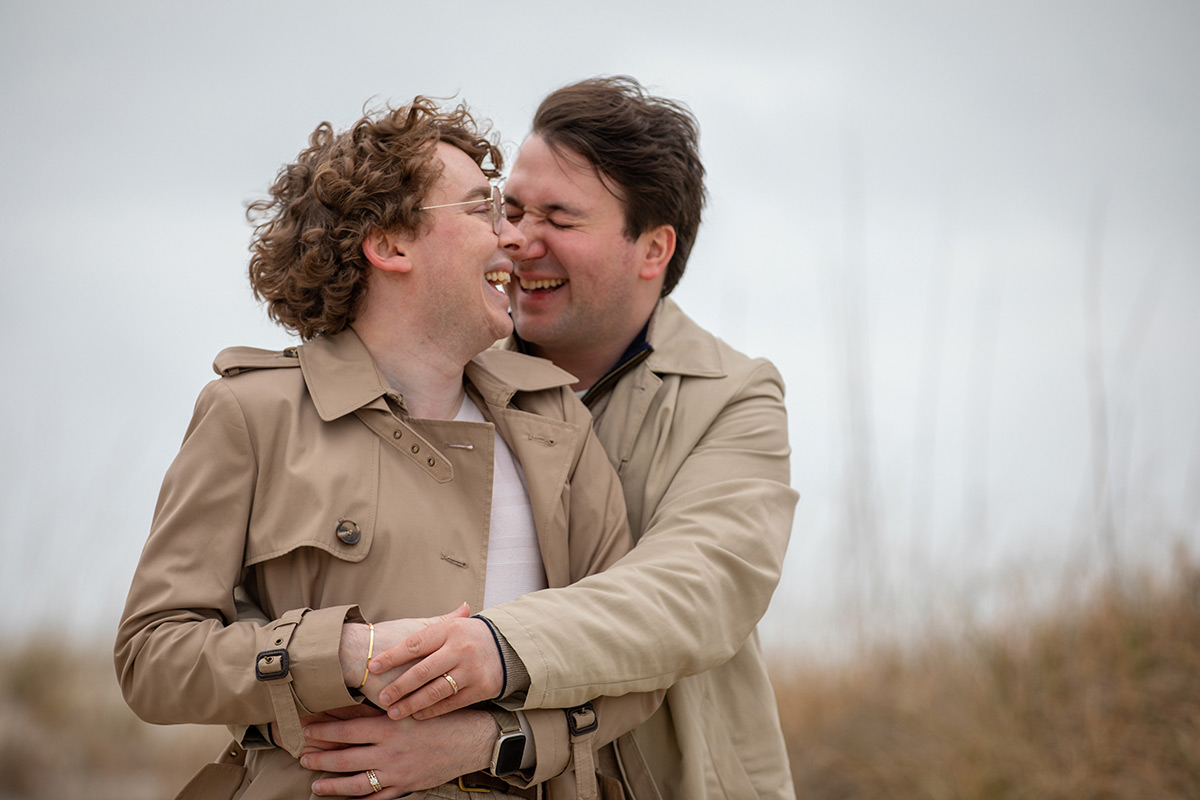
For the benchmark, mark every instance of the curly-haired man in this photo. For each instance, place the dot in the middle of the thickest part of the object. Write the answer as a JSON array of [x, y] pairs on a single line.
[[390, 466]]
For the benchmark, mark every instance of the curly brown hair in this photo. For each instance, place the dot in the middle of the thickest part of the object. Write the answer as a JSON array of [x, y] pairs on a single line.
[[648, 146], [306, 258]]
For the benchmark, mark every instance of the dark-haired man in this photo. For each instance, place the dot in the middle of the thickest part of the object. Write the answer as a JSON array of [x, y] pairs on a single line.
[[607, 191]]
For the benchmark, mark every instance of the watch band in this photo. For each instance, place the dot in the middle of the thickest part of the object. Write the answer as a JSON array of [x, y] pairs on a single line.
[[509, 752]]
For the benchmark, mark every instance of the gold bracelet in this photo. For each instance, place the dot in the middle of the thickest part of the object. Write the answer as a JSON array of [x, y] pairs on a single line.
[[370, 650]]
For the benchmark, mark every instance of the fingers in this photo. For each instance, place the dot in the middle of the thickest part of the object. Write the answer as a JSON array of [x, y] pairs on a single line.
[[356, 786], [350, 759], [424, 640], [318, 745], [469, 656], [356, 711], [462, 612], [420, 674], [351, 731], [408, 756], [420, 644], [437, 709], [438, 694], [332, 715]]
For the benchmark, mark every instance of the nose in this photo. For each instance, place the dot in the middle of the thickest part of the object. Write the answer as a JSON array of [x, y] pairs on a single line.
[[511, 237], [531, 246]]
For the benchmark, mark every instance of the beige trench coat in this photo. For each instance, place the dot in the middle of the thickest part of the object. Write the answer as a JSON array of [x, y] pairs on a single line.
[[317, 492], [698, 434]]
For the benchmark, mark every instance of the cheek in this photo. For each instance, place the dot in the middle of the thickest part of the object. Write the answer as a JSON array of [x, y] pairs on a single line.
[[578, 258]]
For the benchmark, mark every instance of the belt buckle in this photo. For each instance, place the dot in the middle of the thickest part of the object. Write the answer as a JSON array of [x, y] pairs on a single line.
[[465, 788]]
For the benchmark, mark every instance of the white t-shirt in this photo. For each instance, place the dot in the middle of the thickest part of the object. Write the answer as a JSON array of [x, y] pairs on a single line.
[[514, 559]]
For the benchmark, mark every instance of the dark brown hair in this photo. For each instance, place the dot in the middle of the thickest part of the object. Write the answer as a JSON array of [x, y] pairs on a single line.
[[648, 146], [306, 259]]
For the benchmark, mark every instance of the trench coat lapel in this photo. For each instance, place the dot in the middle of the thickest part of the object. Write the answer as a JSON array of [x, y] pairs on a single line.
[[543, 446]]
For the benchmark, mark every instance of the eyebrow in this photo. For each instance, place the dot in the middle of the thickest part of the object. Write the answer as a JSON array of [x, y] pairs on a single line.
[[481, 192], [546, 210]]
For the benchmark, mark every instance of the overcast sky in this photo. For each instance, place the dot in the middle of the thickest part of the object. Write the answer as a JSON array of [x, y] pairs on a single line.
[[912, 205]]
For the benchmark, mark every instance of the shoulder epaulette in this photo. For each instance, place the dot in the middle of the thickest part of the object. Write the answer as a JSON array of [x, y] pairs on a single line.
[[233, 360]]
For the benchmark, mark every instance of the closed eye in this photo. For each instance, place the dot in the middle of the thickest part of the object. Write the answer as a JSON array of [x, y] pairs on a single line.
[[515, 214]]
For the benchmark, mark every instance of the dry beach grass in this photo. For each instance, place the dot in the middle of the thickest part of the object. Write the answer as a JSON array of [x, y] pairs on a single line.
[[66, 733], [1099, 698]]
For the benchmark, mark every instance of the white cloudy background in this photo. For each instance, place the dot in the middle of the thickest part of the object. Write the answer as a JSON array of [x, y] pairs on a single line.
[[968, 233]]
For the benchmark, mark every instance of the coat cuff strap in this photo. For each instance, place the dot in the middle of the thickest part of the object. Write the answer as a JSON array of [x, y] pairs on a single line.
[[272, 666]]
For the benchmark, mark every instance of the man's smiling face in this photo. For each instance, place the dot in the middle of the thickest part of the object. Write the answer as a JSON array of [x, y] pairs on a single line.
[[579, 278], [460, 262]]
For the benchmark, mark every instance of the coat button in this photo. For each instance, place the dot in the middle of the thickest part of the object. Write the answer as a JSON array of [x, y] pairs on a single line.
[[348, 532]]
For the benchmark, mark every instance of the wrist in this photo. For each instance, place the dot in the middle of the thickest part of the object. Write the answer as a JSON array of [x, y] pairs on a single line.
[[352, 653], [514, 677], [486, 733]]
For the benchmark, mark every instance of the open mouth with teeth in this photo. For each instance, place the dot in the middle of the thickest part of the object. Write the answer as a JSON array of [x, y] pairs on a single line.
[[498, 278], [544, 285]]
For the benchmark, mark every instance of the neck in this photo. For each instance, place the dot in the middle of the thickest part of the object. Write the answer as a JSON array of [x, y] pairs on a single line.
[[592, 362], [587, 366], [429, 379]]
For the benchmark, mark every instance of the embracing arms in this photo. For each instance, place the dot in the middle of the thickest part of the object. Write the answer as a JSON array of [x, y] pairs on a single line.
[[710, 493]]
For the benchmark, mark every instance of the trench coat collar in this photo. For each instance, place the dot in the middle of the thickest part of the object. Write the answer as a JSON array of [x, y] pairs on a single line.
[[681, 347], [342, 377], [501, 374]]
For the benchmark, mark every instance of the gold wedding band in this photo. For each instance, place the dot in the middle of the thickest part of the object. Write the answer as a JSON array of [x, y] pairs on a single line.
[[453, 685], [376, 786]]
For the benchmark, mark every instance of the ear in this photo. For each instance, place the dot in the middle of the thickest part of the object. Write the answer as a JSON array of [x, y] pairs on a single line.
[[656, 246], [386, 251]]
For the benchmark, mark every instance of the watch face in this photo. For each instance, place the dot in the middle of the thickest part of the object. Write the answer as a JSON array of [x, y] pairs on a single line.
[[510, 751]]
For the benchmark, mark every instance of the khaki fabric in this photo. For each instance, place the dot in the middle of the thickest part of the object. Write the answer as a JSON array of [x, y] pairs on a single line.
[[698, 434], [302, 480]]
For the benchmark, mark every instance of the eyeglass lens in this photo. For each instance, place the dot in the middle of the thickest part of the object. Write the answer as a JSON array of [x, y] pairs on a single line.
[[497, 210]]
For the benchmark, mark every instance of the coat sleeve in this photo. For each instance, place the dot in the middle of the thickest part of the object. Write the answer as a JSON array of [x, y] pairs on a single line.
[[552, 739], [181, 655], [598, 533], [702, 574]]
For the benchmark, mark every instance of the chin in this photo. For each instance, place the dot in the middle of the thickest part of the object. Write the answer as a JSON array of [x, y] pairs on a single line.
[[501, 327]]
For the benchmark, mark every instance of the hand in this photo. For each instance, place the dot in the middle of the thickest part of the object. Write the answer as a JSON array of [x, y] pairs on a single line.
[[462, 648], [313, 745], [406, 755], [356, 640]]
